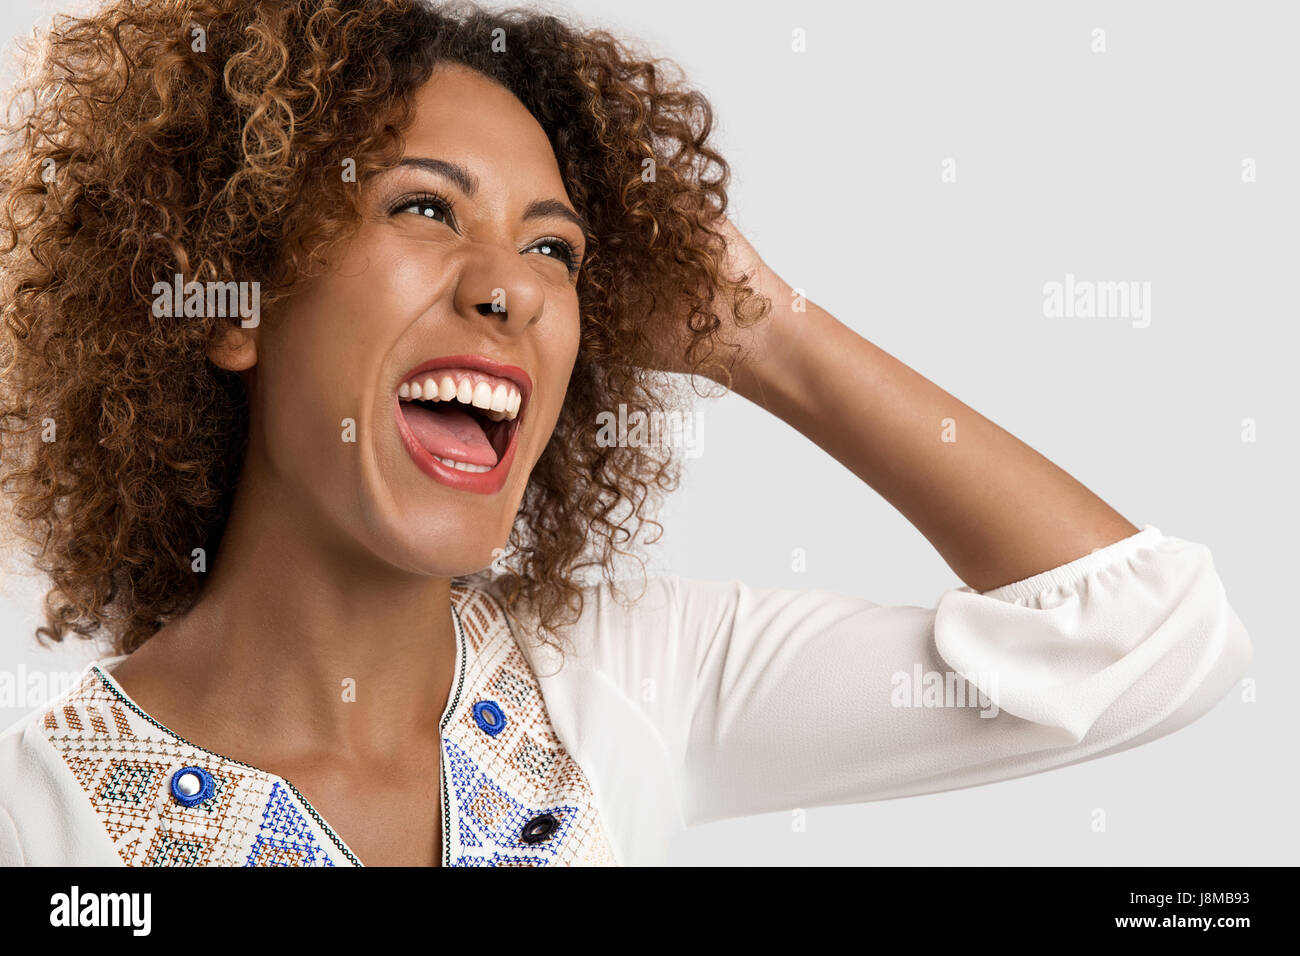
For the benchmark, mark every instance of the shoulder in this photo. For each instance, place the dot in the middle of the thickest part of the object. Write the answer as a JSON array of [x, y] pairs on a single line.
[[13, 774], [27, 739], [635, 617], [44, 820], [592, 671], [610, 612]]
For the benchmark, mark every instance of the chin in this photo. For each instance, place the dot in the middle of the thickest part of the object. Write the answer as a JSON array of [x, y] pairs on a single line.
[[449, 552]]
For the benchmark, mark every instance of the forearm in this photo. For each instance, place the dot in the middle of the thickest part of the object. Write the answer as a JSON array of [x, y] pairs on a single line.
[[995, 509]]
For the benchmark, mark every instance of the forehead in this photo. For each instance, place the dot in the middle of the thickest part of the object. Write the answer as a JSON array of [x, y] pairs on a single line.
[[465, 117]]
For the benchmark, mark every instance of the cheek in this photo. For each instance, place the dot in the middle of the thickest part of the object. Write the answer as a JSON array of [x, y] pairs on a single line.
[[559, 353], [316, 402]]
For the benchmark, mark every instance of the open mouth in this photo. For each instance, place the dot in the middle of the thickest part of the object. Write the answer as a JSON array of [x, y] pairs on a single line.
[[465, 419]]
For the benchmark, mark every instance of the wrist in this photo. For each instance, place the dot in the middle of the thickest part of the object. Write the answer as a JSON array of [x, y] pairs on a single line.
[[773, 367]]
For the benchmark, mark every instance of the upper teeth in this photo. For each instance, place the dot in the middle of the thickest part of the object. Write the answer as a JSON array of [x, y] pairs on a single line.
[[499, 398]]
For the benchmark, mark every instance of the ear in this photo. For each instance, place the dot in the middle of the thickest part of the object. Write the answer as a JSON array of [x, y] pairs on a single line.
[[235, 349]]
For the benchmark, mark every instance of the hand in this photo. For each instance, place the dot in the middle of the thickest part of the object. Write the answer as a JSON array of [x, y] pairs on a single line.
[[741, 267]]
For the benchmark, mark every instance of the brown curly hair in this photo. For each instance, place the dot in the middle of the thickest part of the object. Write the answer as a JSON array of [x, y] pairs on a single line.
[[156, 137]]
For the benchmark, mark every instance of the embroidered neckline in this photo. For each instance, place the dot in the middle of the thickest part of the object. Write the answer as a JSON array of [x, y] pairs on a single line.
[[512, 794], [461, 652]]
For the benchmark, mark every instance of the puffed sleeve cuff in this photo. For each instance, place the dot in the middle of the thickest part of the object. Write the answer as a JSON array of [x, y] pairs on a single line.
[[1113, 642], [1028, 589]]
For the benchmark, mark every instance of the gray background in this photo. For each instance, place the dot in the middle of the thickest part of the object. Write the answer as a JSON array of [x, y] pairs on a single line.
[[1124, 165]]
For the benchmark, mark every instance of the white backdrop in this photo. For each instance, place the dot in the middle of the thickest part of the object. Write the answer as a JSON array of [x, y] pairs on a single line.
[[1130, 164]]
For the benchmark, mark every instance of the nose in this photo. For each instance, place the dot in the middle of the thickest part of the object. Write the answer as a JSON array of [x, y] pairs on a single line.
[[499, 285]]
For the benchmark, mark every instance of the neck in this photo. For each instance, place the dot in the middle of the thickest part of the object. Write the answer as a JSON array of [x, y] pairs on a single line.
[[315, 642]]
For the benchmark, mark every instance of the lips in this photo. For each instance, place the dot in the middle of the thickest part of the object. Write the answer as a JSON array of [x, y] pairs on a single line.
[[459, 418]]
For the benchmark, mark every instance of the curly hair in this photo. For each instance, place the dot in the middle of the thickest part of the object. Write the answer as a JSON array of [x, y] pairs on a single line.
[[156, 137]]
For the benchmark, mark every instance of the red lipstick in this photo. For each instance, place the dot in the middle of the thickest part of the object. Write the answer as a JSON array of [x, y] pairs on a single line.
[[486, 482]]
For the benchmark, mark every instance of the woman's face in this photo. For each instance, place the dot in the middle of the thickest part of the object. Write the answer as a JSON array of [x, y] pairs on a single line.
[[429, 295]]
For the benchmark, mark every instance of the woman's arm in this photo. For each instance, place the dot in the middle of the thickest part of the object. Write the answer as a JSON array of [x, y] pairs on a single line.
[[992, 506]]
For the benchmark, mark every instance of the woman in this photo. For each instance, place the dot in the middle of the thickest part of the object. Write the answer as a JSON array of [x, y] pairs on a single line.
[[312, 313]]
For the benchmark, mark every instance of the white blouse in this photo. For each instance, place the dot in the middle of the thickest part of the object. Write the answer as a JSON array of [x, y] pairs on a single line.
[[702, 700]]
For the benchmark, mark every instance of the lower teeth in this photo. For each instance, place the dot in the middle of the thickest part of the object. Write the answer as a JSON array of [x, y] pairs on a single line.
[[462, 465]]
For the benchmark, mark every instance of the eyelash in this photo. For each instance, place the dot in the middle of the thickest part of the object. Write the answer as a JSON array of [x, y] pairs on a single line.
[[567, 255]]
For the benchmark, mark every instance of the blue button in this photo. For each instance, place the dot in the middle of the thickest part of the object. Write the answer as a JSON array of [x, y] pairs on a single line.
[[192, 785], [489, 717]]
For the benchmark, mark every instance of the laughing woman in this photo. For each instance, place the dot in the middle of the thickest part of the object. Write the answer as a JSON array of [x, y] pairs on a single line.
[[331, 519]]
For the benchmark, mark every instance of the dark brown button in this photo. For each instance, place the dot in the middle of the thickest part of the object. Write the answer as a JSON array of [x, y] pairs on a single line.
[[539, 829]]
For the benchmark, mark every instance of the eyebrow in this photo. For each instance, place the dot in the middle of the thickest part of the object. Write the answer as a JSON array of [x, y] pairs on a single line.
[[467, 182]]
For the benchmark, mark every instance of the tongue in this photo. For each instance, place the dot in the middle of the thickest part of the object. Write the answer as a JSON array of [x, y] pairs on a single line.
[[449, 433]]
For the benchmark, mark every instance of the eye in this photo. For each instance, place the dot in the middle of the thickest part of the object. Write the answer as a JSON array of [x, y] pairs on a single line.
[[430, 207], [559, 249]]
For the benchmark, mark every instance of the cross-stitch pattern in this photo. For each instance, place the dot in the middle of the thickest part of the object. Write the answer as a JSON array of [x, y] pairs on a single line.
[[499, 782], [125, 764], [494, 785]]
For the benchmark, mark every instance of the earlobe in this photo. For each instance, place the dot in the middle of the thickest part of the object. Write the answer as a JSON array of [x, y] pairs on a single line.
[[234, 349]]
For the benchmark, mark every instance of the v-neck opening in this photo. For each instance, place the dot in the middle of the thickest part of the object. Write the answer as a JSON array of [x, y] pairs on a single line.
[[453, 701]]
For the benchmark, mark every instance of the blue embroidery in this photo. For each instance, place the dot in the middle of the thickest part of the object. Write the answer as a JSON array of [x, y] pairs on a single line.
[[285, 838], [492, 822]]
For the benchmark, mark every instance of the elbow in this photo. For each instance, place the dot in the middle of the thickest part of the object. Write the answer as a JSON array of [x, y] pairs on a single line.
[[1227, 670], [1210, 677]]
